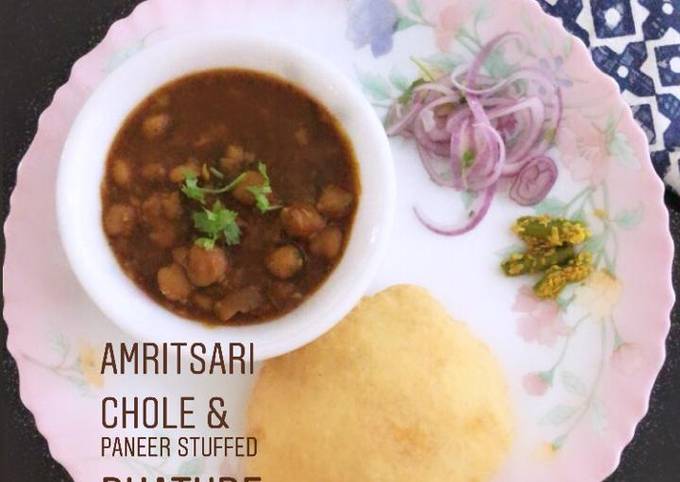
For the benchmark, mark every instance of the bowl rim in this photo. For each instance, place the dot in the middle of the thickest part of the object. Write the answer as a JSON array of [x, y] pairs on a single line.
[[132, 309]]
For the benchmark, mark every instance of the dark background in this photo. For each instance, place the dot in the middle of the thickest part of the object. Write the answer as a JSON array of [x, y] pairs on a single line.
[[39, 42]]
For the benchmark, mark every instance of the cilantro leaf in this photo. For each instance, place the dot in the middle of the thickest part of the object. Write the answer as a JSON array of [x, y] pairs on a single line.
[[232, 234], [218, 174], [426, 73], [193, 191], [212, 221], [261, 199], [205, 243], [261, 166], [215, 222], [231, 185], [468, 158], [260, 193], [406, 96], [191, 188]]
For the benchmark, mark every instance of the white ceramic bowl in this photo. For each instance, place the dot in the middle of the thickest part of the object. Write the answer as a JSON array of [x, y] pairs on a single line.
[[82, 167]]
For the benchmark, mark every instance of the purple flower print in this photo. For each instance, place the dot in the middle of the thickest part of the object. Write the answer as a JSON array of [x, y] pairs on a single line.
[[372, 22]]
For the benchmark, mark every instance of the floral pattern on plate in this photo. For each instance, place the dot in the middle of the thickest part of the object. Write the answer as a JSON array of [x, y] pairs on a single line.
[[579, 370]]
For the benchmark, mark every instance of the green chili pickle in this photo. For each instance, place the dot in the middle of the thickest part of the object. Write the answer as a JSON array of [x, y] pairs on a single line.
[[536, 261], [557, 277], [544, 231]]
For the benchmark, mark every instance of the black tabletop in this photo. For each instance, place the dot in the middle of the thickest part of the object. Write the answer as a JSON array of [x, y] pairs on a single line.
[[40, 40]]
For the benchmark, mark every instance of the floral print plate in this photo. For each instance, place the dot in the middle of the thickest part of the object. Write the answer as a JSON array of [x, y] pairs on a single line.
[[580, 368]]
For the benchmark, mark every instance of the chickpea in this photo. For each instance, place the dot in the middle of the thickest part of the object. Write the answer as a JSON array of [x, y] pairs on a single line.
[[284, 262], [282, 292], [156, 125], [236, 278], [231, 166], [172, 206], [180, 255], [120, 220], [244, 300], [154, 172], [204, 302], [121, 172], [301, 220], [162, 206], [152, 208], [179, 173], [326, 243], [233, 161], [302, 136], [212, 136], [235, 152], [173, 283], [334, 202], [241, 192], [206, 266], [205, 172], [163, 234]]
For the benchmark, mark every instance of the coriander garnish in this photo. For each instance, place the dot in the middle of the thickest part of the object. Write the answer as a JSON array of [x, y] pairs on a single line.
[[468, 158], [217, 173], [260, 192], [405, 97], [220, 222], [427, 75], [216, 222], [193, 191]]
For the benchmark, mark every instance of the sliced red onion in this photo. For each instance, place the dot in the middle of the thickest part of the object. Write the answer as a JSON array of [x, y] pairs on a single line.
[[456, 118], [438, 148], [534, 181], [427, 118], [433, 166], [485, 145], [475, 67], [532, 134], [493, 84], [461, 145], [489, 165], [486, 50], [436, 141], [475, 218], [398, 125], [471, 130], [440, 89], [553, 125]]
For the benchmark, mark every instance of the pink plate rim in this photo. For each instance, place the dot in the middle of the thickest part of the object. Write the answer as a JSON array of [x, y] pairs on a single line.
[[638, 401]]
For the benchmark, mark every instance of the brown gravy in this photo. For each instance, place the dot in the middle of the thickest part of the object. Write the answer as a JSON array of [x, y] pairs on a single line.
[[209, 251]]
